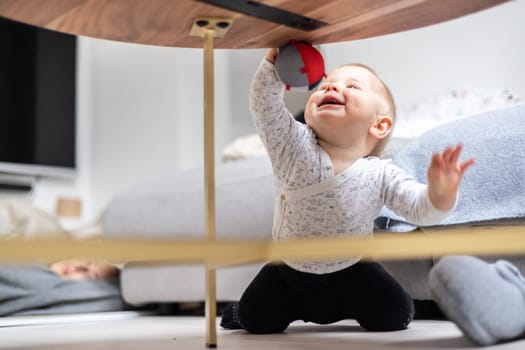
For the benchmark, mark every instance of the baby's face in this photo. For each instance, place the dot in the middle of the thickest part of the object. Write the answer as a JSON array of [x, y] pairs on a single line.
[[77, 269], [345, 104]]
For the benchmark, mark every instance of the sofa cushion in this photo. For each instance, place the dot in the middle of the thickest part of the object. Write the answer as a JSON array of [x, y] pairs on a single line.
[[174, 205]]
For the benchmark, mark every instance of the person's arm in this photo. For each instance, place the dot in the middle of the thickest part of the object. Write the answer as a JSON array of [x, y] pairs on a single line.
[[275, 125], [428, 204]]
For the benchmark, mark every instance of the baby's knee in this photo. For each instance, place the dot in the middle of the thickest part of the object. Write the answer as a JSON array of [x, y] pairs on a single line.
[[261, 321], [258, 327], [391, 318]]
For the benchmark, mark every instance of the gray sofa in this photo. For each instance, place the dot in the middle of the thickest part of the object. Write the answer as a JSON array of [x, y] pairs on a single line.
[[244, 192], [174, 206]]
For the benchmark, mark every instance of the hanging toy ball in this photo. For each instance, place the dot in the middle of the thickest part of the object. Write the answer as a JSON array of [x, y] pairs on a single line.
[[300, 66]]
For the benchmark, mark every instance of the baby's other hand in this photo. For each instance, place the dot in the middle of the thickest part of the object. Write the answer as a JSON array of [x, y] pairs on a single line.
[[271, 55], [444, 176]]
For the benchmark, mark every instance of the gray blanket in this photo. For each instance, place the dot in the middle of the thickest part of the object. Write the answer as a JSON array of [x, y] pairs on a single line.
[[35, 289], [493, 190]]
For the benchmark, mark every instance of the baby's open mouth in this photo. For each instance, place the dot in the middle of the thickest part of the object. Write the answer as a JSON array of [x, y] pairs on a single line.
[[331, 100]]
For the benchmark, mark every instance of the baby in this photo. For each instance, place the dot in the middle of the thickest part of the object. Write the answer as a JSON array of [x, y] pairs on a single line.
[[330, 181]]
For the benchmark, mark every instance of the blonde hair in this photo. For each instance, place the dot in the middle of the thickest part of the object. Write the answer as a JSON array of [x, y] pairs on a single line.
[[389, 101]]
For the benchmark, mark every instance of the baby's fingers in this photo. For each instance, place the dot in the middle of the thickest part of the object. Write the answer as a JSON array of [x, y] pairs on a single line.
[[448, 154], [466, 164], [437, 160], [271, 54], [456, 152]]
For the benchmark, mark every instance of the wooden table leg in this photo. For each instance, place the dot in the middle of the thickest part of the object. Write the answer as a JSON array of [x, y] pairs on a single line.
[[208, 29], [209, 185]]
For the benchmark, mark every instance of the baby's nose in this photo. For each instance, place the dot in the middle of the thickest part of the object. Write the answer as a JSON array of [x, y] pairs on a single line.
[[332, 87]]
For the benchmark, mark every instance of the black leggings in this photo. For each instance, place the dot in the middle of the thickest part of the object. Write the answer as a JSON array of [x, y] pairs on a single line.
[[279, 295]]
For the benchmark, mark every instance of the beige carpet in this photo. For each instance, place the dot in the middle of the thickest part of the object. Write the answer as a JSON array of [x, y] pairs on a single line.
[[132, 331]]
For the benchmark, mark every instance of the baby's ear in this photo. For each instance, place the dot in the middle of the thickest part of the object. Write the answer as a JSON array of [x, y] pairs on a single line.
[[381, 127]]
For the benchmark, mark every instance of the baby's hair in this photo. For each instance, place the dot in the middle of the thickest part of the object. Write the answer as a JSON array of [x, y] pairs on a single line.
[[390, 104]]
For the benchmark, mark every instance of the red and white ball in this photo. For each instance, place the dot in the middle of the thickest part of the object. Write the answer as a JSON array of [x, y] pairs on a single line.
[[300, 66]]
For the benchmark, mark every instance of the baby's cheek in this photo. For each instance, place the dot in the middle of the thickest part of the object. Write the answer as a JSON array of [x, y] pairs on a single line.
[[308, 114]]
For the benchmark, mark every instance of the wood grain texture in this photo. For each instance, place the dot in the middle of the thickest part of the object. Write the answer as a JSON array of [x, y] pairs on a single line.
[[168, 22]]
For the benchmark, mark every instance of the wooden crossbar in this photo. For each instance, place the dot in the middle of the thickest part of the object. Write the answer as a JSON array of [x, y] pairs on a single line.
[[485, 240]]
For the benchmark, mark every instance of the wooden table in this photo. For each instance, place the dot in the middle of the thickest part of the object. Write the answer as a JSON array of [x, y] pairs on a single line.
[[168, 22], [232, 24]]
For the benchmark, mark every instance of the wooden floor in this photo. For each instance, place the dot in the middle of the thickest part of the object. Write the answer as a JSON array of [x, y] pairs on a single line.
[[130, 332]]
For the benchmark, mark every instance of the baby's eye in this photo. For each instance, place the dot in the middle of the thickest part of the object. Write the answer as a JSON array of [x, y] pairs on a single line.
[[352, 86], [81, 268]]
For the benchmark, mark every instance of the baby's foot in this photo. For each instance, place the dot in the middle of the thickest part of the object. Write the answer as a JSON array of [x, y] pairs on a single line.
[[486, 301], [230, 319]]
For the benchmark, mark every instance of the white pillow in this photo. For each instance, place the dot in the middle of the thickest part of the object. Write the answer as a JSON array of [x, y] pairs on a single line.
[[244, 147], [19, 219], [251, 146], [450, 105]]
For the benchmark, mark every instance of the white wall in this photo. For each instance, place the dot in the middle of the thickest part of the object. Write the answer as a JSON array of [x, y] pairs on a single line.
[[141, 107], [485, 50]]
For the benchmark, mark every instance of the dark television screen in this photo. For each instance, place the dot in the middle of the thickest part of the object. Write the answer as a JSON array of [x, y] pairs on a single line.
[[37, 100]]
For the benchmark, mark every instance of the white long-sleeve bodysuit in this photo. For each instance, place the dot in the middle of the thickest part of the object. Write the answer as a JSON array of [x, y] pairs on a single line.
[[311, 201]]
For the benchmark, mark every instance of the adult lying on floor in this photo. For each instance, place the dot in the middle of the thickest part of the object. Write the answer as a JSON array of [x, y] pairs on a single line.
[[69, 286]]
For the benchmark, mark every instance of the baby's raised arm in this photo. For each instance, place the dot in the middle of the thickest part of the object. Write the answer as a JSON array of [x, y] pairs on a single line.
[[279, 131]]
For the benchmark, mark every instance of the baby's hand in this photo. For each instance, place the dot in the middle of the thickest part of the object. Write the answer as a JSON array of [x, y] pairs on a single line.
[[271, 55], [444, 176]]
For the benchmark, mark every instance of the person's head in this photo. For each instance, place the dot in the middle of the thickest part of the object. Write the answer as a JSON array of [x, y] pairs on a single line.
[[84, 269], [352, 106]]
